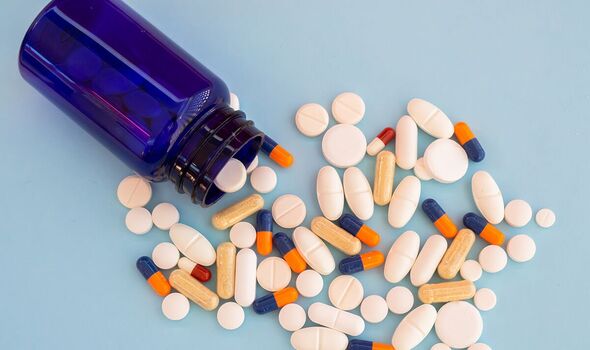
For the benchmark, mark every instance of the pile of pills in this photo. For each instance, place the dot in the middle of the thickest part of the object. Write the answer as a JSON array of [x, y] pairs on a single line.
[[304, 253]]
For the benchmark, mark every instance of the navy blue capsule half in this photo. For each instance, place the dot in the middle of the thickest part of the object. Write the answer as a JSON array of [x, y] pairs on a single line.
[[432, 209], [283, 243], [350, 265], [146, 266], [474, 150], [350, 223], [474, 222], [264, 221], [357, 344], [268, 145], [265, 304]]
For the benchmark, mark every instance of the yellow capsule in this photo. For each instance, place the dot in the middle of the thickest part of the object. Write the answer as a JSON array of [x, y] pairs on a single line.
[[446, 291], [336, 236], [188, 286], [226, 270], [237, 212], [384, 175], [455, 256]]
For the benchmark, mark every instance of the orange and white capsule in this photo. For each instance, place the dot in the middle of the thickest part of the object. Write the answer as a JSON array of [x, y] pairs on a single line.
[[383, 138], [276, 152]]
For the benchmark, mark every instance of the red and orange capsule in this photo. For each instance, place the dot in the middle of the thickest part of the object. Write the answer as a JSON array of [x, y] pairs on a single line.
[[484, 229], [276, 152], [439, 218], [275, 301], [153, 275], [379, 142], [264, 232], [470, 143], [361, 262]]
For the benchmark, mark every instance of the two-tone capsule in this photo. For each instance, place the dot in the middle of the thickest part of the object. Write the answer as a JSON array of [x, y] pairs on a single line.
[[264, 232], [361, 262], [153, 276], [359, 229], [357, 344], [291, 255], [469, 142], [275, 301], [201, 273], [484, 229], [439, 218], [276, 152], [379, 142]]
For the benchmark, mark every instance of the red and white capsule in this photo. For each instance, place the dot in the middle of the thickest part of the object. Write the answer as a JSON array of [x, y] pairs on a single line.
[[379, 142]]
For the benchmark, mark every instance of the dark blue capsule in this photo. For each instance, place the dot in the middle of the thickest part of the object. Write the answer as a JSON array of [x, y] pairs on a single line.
[[146, 267], [350, 265], [350, 223], [264, 221], [432, 209], [265, 304], [474, 222], [474, 150], [283, 243], [357, 344], [268, 145]]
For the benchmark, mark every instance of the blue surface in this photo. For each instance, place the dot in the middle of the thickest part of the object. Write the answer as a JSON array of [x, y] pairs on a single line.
[[517, 72]]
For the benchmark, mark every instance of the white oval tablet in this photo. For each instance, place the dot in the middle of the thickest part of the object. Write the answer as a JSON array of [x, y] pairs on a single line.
[[331, 317], [518, 213], [358, 193], [311, 119], [428, 259], [243, 234], [139, 220], [309, 283], [446, 161], [406, 143], [430, 118], [484, 299], [401, 256], [348, 108], [164, 215], [252, 165], [404, 201], [245, 283], [413, 328], [230, 316], [273, 274], [288, 211], [521, 248], [318, 338], [479, 346], [232, 177], [314, 251], [344, 145], [421, 171], [192, 244], [400, 300], [165, 255], [134, 191], [458, 324], [330, 193], [487, 197], [493, 258], [234, 101], [263, 179], [374, 309], [292, 317], [346, 292], [471, 270], [545, 218], [175, 306], [440, 346]]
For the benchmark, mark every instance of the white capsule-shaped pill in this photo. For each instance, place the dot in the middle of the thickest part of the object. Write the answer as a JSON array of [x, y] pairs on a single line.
[[487, 197], [358, 193], [245, 284], [192, 244], [313, 250], [330, 193], [331, 317], [318, 338], [428, 259], [404, 201], [406, 142], [401, 256], [412, 330], [430, 118]]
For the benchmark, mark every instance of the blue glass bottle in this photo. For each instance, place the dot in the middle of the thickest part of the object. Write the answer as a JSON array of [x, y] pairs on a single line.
[[149, 102]]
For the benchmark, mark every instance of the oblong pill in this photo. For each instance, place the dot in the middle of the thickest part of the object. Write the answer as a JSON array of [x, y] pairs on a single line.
[[430, 118], [183, 282], [331, 317], [384, 176], [404, 201], [330, 192], [406, 143], [318, 338], [314, 251], [470, 143], [226, 270], [237, 212], [192, 244], [456, 254], [336, 236], [427, 261], [358, 193], [487, 197], [446, 291], [245, 283], [412, 330], [401, 256], [153, 275]]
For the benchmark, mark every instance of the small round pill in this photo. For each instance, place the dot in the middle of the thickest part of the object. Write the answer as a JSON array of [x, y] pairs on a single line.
[[446, 160], [440, 346], [230, 316], [175, 306], [493, 258], [134, 191], [139, 220], [292, 317], [545, 218], [165, 255], [458, 324], [234, 101], [288, 211], [348, 108], [346, 292], [479, 346], [232, 176], [273, 274], [421, 171], [484, 299], [252, 165], [400, 300], [263, 179], [518, 213], [471, 270], [312, 119], [521, 248], [374, 309], [164, 215], [243, 235], [309, 283], [344, 145]]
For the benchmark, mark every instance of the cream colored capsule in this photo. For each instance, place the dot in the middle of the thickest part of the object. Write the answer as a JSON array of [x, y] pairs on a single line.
[[226, 270], [384, 174], [237, 212], [336, 236], [188, 286], [455, 256], [446, 291]]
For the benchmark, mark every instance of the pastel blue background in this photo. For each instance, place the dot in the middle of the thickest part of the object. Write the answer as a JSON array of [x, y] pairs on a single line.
[[517, 71]]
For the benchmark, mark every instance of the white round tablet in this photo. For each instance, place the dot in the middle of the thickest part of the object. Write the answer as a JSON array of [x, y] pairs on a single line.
[[273, 274], [446, 160], [346, 292], [471, 270], [175, 306], [479, 346], [518, 213], [374, 309], [440, 346], [421, 171], [312, 119], [232, 176], [309, 283], [234, 101], [164, 215], [348, 108], [263, 179], [545, 218], [165, 255], [230, 315], [292, 317], [139, 220], [493, 258], [400, 300], [344, 145], [243, 235], [521, 248], [458, 324], [134, 191], [252, 165], [288, 211], [484, 299]]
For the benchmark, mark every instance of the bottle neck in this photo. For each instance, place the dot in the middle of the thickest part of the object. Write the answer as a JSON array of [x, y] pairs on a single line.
[[219, 135]]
